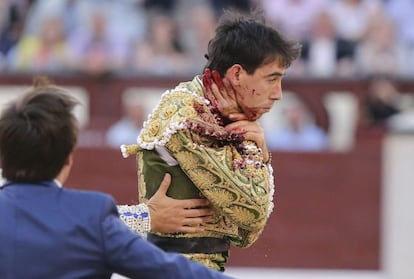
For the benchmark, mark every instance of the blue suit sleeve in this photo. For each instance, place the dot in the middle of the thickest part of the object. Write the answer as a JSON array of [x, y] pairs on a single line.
[[130, 255]]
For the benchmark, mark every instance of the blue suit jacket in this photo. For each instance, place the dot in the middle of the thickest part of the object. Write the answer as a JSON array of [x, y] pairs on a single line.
[[49, 232]]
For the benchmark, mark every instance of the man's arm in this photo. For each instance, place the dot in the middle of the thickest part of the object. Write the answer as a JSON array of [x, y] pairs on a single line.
[[128, 254], [166, 215]]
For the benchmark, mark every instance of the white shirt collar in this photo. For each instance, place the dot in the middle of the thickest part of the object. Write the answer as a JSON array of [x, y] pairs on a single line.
[[58, 183]]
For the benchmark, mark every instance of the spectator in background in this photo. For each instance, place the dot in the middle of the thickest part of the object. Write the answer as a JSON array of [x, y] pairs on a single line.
[[383, 101], [94, 50], [402, 15], [322, 48], [126, 130], [199, 25], [12, 22], [45, 51], [379, 52], [69, 11], [351, 19], [125, 19], [296, 19], [299, 133], [325, 55], [161, 52]]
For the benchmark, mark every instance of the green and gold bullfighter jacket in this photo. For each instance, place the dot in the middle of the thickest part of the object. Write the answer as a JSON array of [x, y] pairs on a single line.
[[183, 137]]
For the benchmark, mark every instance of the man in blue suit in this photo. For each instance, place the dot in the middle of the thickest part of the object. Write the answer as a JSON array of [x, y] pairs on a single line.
[[49, 232]]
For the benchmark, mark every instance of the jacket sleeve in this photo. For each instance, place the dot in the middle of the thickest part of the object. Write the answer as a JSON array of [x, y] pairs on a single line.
[[136, 217], [236, 183], [130, 255]]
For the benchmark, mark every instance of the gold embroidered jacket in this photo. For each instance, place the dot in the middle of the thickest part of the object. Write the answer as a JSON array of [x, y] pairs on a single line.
[[183, 138]]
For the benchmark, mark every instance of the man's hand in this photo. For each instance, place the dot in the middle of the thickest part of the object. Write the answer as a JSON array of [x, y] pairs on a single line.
[[170, 215], [220, 93], [250, 130]]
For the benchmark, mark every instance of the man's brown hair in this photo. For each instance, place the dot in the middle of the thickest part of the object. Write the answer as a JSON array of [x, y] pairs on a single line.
[[37, 133], [248, 41]]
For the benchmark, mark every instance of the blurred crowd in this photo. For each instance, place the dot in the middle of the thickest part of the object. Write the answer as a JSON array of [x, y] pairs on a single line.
[[341, 38]]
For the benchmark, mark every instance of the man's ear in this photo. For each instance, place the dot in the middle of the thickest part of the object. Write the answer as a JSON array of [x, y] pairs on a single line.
[[234, 73]]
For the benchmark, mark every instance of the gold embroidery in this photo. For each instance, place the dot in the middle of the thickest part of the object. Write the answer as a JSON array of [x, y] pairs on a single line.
[[142, 188], [187, 112], [188, 160], [153, 128], [213, 261], [175, 144], [168, 112], [222, 197], [242, 214], [202, 178], [242, 184]]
